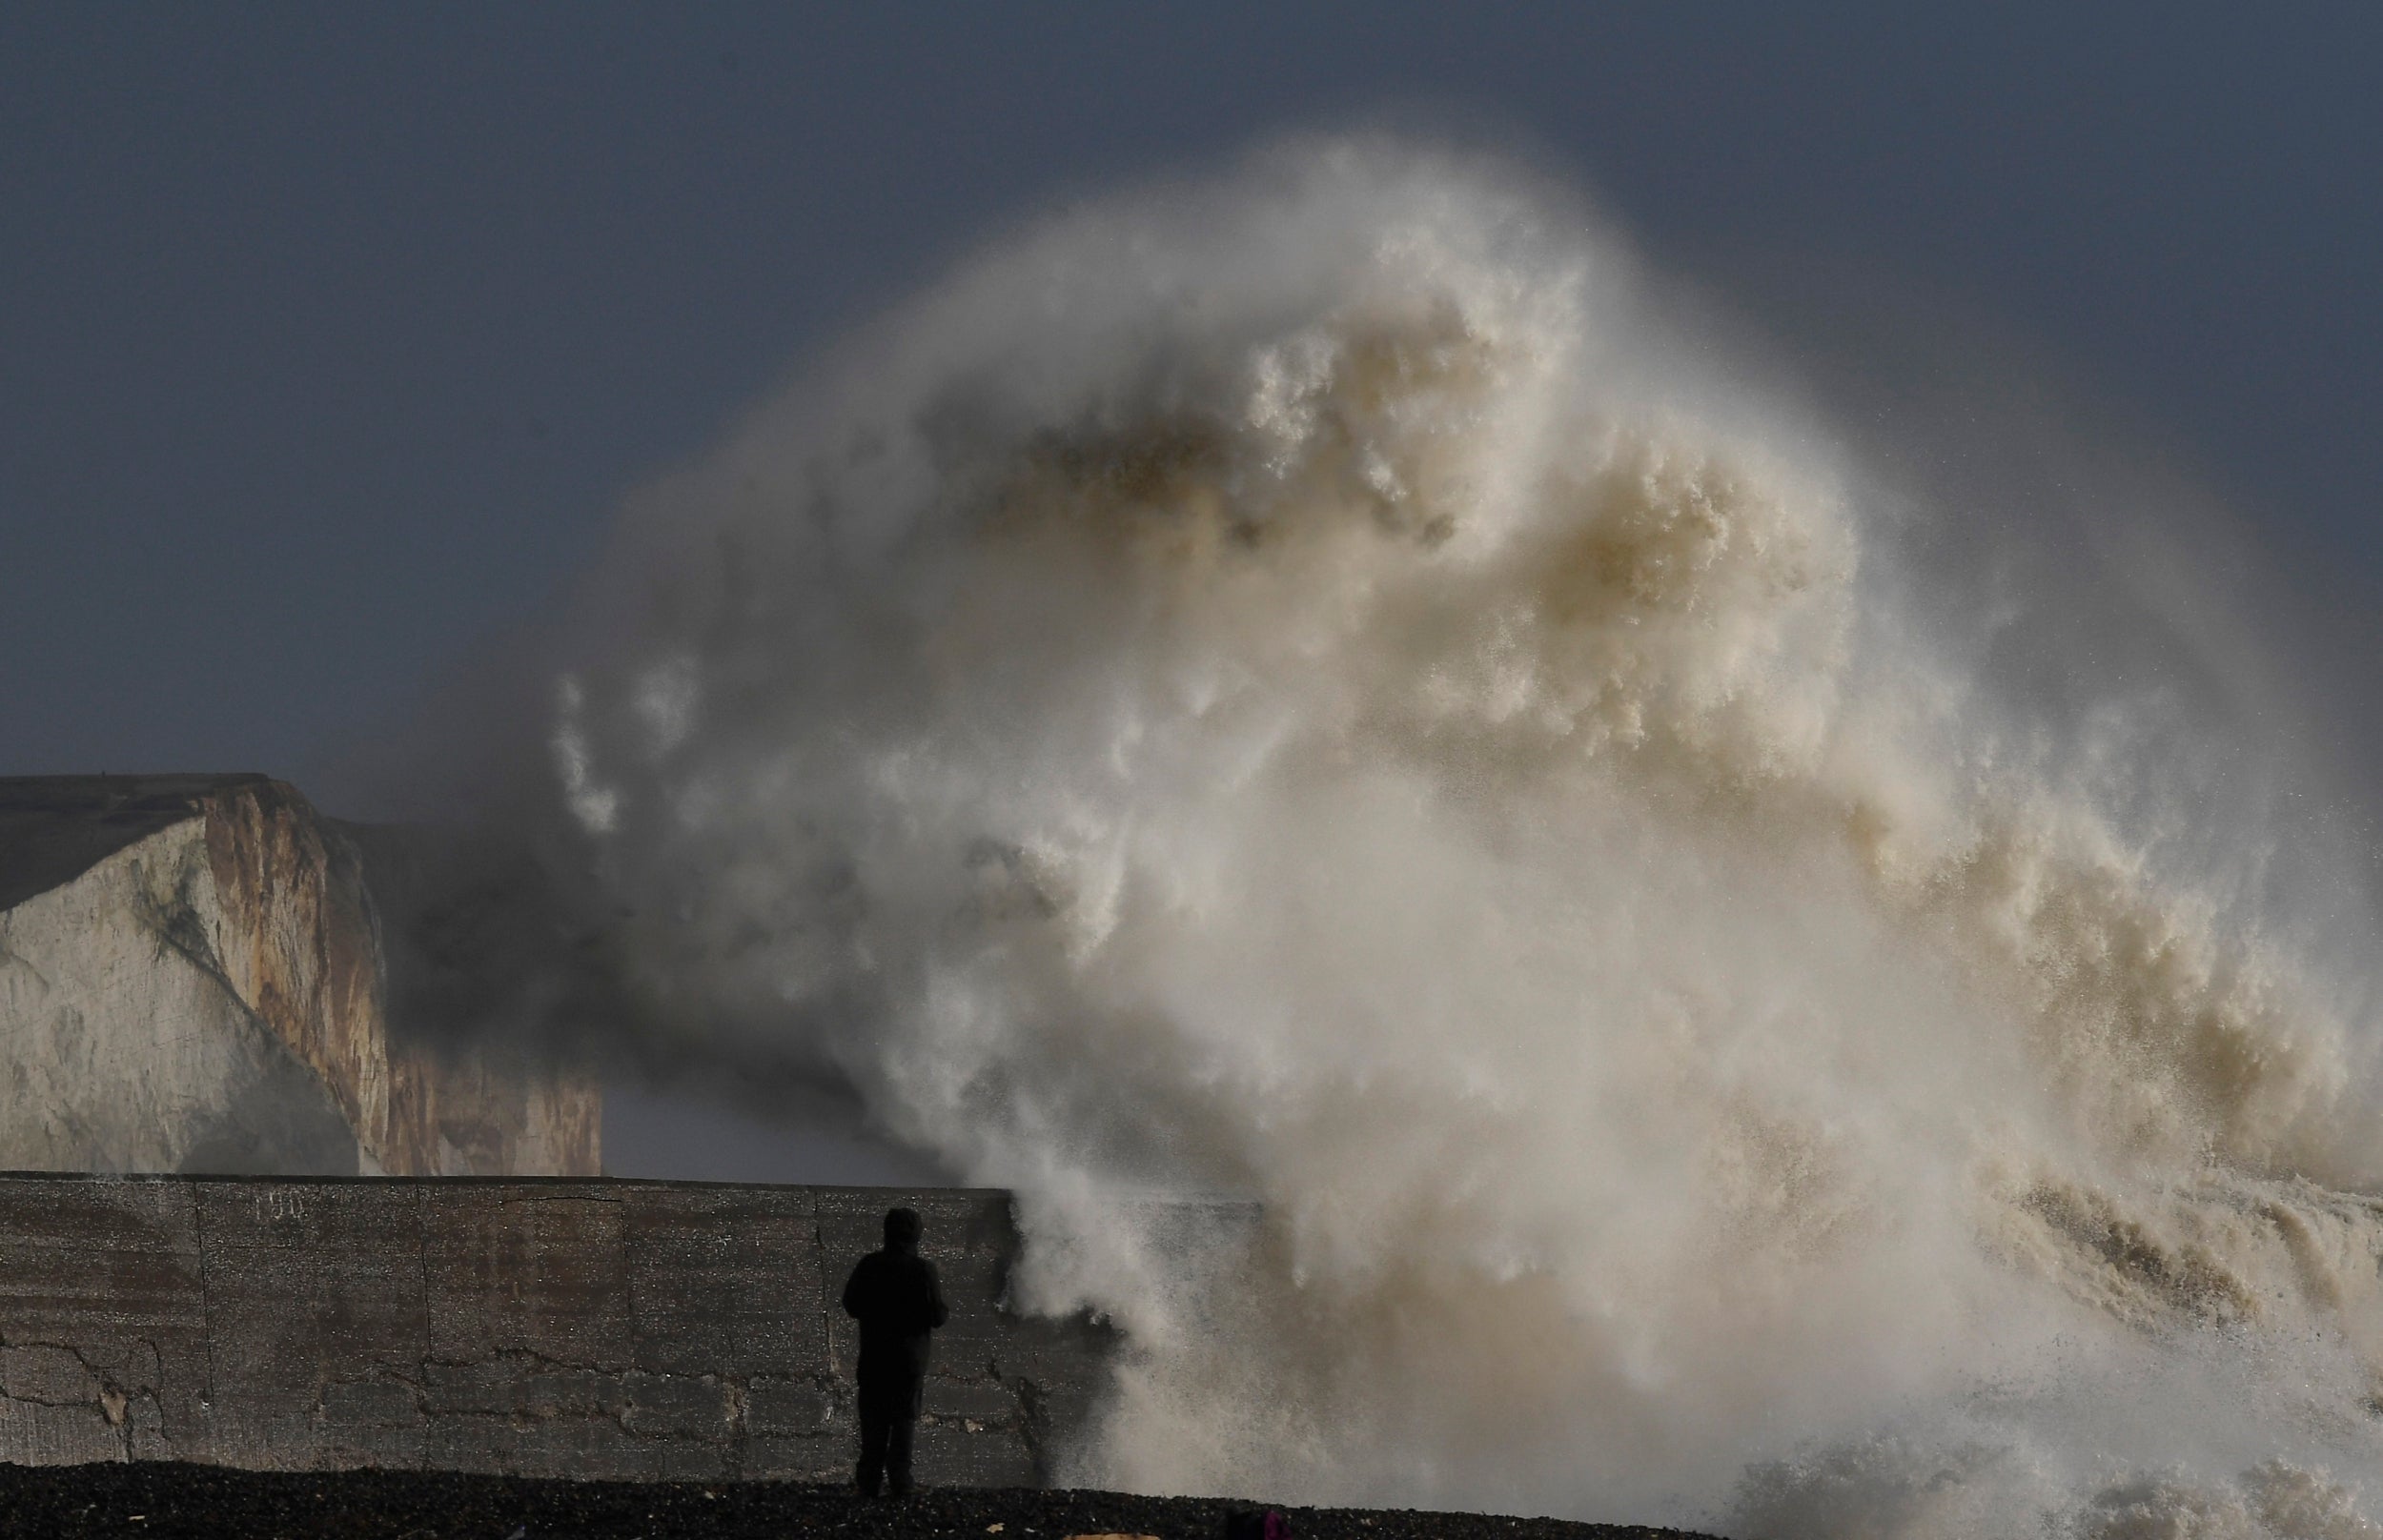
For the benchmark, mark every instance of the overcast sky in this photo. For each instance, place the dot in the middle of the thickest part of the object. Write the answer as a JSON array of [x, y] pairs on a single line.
[[330, 334]]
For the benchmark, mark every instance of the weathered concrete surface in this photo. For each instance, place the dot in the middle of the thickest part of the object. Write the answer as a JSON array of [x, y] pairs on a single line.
[[617, 1329], [104, 1352], [192, 978]]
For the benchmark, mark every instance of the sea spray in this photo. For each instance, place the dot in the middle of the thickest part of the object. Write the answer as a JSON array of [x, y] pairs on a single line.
[[1303, 686]]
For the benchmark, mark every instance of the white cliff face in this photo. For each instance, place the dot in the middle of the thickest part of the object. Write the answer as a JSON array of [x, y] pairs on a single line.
[[128, 1047], [192, 979]]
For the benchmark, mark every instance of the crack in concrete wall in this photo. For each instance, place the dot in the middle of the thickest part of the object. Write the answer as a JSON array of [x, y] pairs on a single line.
[[625, 1330]]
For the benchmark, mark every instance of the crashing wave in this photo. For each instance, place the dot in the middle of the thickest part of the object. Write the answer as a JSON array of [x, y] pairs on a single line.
[[1305, 686]]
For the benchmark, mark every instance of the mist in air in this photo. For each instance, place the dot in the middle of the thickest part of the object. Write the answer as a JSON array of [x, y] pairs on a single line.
[[1737, 1005]]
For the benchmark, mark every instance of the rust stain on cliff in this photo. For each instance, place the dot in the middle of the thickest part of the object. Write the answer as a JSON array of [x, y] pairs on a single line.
[[301, 945]]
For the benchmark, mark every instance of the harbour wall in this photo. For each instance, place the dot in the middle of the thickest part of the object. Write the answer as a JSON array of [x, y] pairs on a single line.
[[607, 1329]]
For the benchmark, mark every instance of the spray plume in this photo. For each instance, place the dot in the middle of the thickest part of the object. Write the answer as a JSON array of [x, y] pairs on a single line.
[[1303, 685]]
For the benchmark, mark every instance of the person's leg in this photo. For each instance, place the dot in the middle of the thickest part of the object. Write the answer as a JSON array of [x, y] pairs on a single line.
[[875, 1425], [899, 1436]]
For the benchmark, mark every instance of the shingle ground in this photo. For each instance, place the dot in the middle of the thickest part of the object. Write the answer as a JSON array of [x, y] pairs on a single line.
[[165, 1501]]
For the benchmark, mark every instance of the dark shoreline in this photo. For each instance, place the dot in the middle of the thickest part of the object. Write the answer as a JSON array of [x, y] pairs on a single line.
[[213, 1503]]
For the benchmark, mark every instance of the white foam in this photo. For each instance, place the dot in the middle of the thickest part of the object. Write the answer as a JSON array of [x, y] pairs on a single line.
[[1298, 685]]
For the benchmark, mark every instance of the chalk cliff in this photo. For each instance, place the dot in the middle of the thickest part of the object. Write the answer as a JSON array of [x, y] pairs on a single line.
[[192, 979]]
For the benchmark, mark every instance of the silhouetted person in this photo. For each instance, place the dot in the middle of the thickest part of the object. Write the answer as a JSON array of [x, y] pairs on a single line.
[[898, 1300]]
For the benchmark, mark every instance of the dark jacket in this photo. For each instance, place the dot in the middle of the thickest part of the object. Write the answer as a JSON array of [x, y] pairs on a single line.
[[898, 1300]]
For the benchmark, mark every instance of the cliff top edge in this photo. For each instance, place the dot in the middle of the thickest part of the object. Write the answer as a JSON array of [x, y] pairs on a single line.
[[54, 828]]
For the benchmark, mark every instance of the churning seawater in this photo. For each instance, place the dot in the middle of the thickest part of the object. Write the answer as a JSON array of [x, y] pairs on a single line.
[[1305, 686]]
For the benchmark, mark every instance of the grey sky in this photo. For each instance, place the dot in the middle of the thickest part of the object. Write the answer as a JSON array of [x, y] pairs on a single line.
[[329, 334]]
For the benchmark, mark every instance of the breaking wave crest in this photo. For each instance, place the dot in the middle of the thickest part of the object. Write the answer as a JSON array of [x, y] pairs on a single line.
[[1301, 686]]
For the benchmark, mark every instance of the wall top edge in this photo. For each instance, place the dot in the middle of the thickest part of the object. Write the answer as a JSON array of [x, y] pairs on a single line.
[[620, 1183]]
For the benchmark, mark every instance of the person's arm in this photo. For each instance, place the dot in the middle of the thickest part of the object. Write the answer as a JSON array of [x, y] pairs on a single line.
[[854, 1294], [936, 1314]]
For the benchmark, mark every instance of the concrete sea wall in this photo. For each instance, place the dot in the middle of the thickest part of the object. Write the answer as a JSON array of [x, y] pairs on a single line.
[[626, 1330]]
